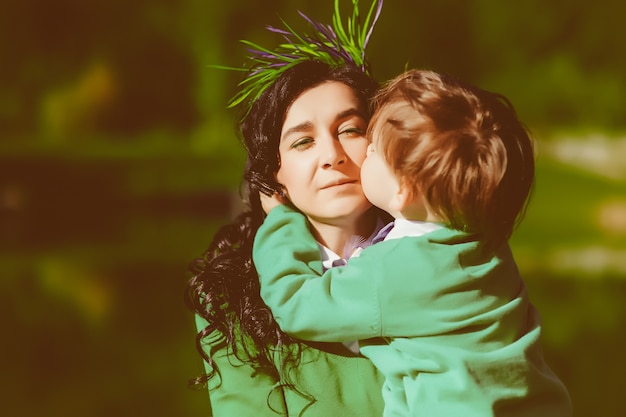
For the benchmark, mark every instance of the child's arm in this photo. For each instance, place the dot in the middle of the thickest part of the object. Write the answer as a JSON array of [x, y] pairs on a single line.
[[340, 304]]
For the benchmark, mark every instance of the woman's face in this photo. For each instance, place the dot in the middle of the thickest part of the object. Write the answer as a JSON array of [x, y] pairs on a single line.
[[322, 147]]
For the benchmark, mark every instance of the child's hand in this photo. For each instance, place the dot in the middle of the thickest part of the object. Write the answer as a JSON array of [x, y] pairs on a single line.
[[269, 203]]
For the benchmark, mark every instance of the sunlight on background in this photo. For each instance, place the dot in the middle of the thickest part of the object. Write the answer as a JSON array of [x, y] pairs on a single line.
[[119, 159]]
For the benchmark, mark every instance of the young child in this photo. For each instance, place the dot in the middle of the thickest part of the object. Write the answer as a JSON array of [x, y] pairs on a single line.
[[439, 305]]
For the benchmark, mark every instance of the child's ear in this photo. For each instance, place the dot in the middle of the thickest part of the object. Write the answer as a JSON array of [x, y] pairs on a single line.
[[403, 197]]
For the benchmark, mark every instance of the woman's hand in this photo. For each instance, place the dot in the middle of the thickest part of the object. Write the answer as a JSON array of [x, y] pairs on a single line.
[[269, 203]]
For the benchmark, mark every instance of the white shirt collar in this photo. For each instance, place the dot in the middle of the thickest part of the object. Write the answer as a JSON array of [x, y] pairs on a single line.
[[331, 259], [403, 228]]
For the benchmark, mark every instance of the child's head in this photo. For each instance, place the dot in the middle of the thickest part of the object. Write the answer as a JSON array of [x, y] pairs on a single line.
[[458, 148]]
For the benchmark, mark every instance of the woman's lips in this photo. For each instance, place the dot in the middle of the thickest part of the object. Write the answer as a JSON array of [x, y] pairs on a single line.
[[339, 183]]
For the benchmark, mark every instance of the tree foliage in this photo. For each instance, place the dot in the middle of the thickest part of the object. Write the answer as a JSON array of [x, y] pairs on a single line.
[[560, 62]]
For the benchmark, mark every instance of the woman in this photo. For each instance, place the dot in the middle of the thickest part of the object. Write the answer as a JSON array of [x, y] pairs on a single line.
[[305, 137], [304, 132]]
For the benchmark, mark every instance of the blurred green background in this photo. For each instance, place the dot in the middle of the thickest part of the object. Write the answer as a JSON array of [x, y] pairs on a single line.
[[118, 159]]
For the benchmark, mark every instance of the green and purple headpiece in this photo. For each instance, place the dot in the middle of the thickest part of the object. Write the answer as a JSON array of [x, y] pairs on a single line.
[[332, 44]]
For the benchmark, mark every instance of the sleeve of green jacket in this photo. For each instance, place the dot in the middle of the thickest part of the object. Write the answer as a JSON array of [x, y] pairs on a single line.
[[336, 306], [238, 390], [423, 286]]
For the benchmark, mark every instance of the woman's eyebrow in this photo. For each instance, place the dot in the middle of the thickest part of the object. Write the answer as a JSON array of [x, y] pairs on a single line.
[[302, 127], [350, 112]]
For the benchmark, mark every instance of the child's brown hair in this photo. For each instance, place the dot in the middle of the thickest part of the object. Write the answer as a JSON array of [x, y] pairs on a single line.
[[462, 148]]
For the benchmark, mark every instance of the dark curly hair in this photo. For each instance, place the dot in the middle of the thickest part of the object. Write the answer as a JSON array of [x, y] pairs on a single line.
[[224, 288]]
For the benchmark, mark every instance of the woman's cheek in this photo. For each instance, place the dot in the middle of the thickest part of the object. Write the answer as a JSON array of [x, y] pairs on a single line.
[[357, 151], [293, 174]]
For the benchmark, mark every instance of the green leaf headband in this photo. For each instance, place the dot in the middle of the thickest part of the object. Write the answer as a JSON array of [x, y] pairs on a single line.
[[331, 44]]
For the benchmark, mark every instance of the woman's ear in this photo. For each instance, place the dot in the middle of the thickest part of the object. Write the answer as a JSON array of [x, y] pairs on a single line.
[[282, 192]]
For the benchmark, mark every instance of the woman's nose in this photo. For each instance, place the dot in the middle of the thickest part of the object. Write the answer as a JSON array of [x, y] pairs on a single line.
[[332, 153]]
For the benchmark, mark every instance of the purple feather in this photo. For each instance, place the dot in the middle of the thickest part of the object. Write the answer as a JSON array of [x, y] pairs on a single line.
[[261, 54], [324, 44], [379, 8], [277, 30], [319, 27]]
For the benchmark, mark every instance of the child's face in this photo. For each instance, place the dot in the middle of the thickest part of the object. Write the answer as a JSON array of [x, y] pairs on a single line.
[[380, 184]]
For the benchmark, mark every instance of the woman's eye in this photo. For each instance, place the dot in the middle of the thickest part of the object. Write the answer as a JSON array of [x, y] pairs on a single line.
[[303, 143], [352, 132]]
